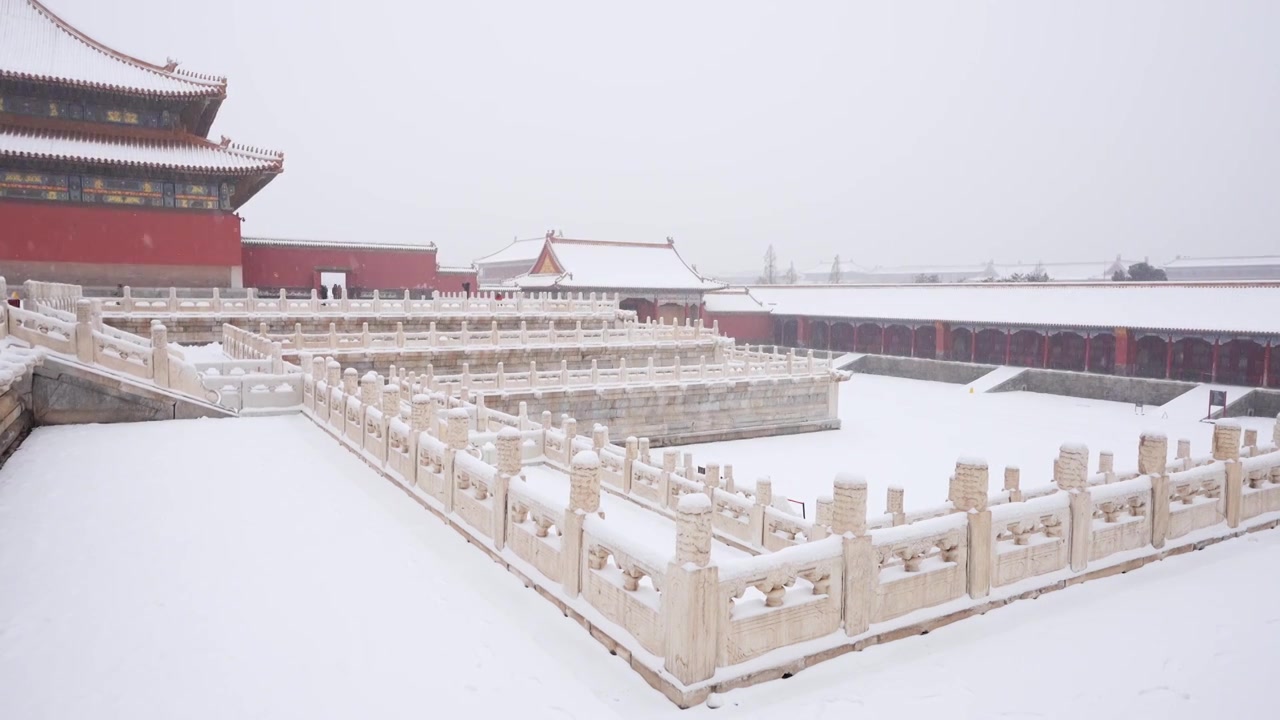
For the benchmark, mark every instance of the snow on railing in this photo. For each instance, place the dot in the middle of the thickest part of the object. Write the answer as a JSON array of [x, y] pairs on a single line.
[[579, 334], [172, 302], [831, 576]]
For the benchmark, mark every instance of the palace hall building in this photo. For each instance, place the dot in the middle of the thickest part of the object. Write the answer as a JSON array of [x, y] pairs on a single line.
[[107, 173]]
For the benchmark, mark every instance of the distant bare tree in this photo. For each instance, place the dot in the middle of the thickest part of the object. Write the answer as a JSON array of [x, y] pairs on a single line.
[[929, 278], [835, 276], [792, 277], [770, 276]]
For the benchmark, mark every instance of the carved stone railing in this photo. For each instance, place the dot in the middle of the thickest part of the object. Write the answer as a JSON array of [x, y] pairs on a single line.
[[608, 333], [169, 302], [830, 579]]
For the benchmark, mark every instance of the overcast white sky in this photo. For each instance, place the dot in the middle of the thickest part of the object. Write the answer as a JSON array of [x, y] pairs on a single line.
[[888, 132]]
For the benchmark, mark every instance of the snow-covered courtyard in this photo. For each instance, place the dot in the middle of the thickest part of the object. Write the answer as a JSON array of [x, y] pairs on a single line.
[[909, 433], [255, 568]]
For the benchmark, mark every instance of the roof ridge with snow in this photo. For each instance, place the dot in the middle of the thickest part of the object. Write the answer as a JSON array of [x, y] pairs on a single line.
[[37, 45], [177, 152]]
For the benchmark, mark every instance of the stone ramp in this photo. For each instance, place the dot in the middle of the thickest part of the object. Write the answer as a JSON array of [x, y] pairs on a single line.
[[999, 376], [1195, 402], [844, 361], [66, 392]]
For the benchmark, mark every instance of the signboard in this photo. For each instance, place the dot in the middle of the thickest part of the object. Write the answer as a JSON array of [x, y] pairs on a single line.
[[1217, 398]]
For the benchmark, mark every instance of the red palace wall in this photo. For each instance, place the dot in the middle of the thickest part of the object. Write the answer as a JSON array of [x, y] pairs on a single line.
[[744, 327], [453, 282], [168, 245], [274, 266]]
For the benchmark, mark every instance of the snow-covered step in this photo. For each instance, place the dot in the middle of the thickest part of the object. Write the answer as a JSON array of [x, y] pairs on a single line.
[[1194, 404], [996, 377], [844, 361]]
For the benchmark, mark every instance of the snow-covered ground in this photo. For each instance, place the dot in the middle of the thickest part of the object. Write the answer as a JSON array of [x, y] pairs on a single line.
[[254, 568], [212, 352], [910, 432]]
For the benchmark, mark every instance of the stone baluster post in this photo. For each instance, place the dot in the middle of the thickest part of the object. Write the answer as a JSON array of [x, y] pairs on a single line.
[[628, 463], [690, 600], [1013, 483], [333, 336], [894, 504], [1226, 449], [494, 338], [522, 416], [456, 424], [533, 375], [669, 458], [1184, 449], [1153, 452], [173, 306], [711, 480], [824, 516], [84, 332], [350, 382], [728, 479], [1107, 465], [577, 332], [1275, 434], [622, 370], [126, 302], [570, 428], [564, 373], [850, 505], [595, 372], [160, 355], [968, 492], [369, 389], [509, 463], [420, 415], [95, 315], [584, 499], [763, 499], [1251, 440], [1071, 474], [644, 451]]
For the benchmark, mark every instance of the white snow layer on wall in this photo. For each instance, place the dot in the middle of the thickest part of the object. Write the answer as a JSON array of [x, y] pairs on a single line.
[[1228, 309]]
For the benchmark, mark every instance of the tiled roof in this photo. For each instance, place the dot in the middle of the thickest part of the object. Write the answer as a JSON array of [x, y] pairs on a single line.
[[349, 245], [1192, 307], [183, 153], [37, 45], [519, 251], [599, 264]]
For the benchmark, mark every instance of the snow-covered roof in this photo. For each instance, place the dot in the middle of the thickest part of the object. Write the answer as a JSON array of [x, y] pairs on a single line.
[[185, 153], [1209, 307], [600, 264], [350, 245], [1213, 262], [733, 300], [37, 45], [526, 250]]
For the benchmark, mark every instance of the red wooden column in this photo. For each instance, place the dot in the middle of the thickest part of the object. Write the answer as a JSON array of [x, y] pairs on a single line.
[[941, 341], [1168, 359], [1044, 361], [1213, 372], [1122, 351], [1266, 364], [913, 341], [1008, 345], [882, 329], [1088, 346]]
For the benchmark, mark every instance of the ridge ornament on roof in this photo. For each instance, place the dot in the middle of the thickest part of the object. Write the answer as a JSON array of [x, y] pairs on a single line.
[[37, 45]]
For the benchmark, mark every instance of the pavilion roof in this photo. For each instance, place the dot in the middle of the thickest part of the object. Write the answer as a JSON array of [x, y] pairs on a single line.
[[182, 153], [37, 45], [607, 265]]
